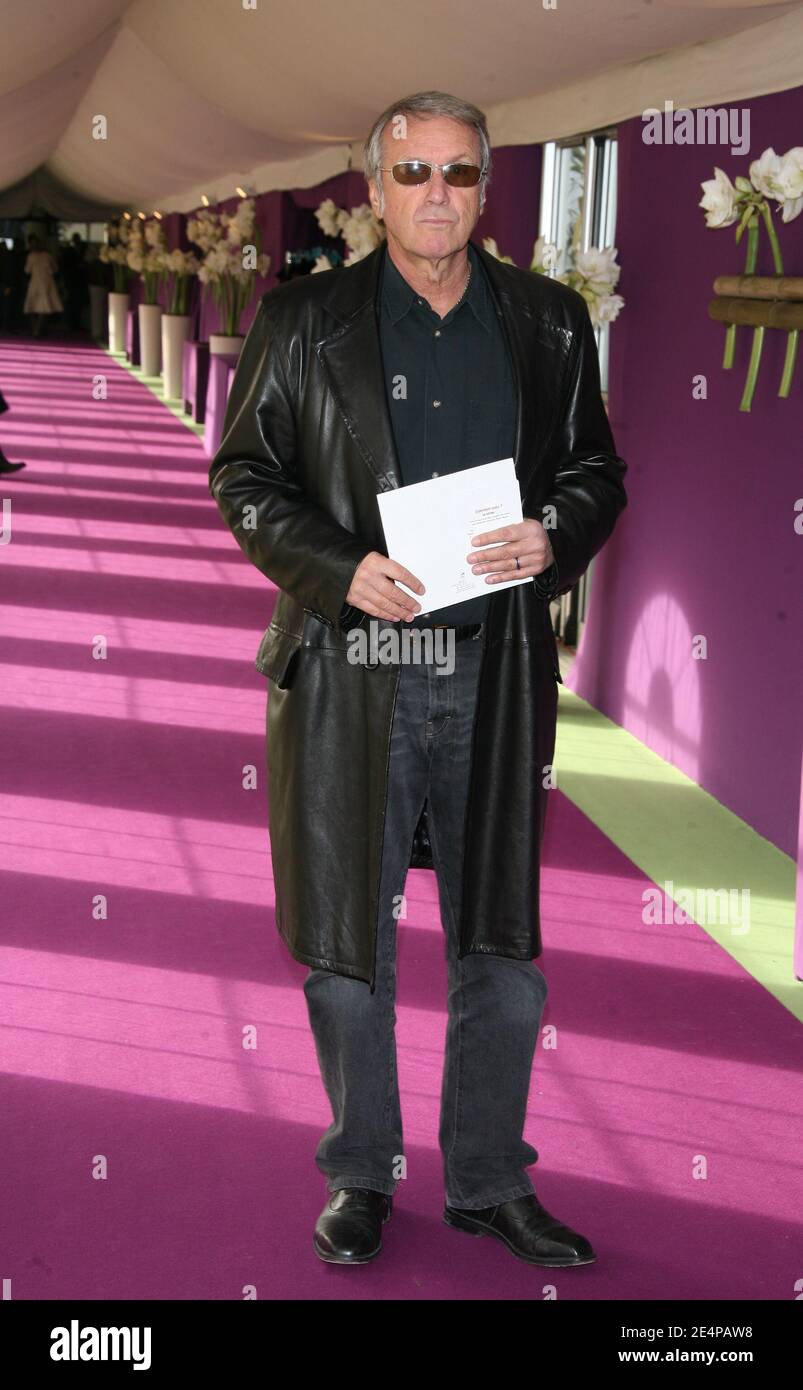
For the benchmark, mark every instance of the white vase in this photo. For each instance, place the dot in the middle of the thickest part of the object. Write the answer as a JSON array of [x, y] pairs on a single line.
[[98, 311], [220, 343], [175, 332], [118, 311], [150, 339]]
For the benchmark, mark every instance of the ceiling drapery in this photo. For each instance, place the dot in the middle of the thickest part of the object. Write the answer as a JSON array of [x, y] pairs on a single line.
[[200, 95]]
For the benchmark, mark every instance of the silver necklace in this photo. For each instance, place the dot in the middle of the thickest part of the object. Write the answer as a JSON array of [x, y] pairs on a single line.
[[465, 287]]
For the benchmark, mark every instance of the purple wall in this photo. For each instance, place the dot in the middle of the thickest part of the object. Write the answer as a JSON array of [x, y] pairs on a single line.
[[707, 544], [513, 202]]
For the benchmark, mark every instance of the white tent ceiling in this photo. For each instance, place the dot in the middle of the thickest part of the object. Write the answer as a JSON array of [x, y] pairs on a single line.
[[204, 94]]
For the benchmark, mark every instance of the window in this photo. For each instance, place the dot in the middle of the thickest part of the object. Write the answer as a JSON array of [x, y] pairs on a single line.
[[578, 210], [578, 205]]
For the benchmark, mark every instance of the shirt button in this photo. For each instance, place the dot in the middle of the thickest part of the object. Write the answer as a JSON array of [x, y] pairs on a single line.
[[437, 332], [436, 475], [436, 404]]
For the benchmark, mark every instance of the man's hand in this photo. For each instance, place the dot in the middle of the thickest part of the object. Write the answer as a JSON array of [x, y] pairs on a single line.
[[526, 540], [374, 590]]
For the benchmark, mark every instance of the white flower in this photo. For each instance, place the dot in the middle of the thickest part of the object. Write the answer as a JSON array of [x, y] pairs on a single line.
[[764, 173], [358, 228], [790, 183], [241, 225], [327, 215], [719, 200], [360, 231], [605, 308], [781, 177], [155, 234], [135, 260], [205, 230], [597, 266], [154, 261]]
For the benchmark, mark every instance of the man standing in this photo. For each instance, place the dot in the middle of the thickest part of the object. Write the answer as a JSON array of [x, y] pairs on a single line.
[[425, 357]]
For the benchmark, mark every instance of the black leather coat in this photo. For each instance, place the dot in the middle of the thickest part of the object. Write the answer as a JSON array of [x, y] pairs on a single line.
[[307, 445]]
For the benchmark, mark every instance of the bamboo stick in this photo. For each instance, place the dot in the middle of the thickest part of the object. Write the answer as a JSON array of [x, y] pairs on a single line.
[[756, 312], [784, 287]]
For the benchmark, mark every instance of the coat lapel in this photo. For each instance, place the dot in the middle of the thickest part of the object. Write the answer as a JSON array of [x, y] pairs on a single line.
[[352, 360]]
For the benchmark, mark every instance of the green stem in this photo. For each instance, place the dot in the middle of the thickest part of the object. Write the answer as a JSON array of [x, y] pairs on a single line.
[[789, 361], [752, 248], [751, 258], [752, 370], [730, 345], [771, 233]]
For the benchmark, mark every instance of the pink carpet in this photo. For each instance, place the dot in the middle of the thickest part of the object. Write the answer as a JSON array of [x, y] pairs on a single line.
[[121, 1037]]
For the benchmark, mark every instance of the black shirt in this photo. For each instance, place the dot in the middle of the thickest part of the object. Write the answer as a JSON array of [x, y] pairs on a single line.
[[450, 390]]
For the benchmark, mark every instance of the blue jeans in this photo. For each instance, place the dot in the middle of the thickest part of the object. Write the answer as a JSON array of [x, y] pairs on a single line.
[[494, 1003]]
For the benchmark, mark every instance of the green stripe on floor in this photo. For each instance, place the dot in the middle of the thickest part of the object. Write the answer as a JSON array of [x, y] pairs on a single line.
[[678, 834]]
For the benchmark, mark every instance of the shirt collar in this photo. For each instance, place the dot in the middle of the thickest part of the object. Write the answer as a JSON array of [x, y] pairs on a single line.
[[398, 296]]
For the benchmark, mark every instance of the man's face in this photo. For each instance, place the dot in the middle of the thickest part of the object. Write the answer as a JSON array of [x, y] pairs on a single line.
[[429, 219]]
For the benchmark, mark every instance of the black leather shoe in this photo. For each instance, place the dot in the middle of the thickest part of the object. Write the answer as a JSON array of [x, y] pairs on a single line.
[[349, 1229], [527, 1230]]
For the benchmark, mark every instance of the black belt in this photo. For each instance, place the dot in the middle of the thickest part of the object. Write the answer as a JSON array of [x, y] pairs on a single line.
[[460, 633]]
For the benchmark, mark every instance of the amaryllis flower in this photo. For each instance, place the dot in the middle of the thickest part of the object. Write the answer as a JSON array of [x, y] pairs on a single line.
[[605, 308], [328, 217], [789, 182], [598, 268], [719, 200]]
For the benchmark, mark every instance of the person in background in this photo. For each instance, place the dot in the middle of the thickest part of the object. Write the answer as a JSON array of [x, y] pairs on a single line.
[[42, 297], [74, 272], [6, 466], [6, 285]]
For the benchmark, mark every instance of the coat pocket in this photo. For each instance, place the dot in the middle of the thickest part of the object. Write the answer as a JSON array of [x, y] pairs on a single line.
[[276, 656]]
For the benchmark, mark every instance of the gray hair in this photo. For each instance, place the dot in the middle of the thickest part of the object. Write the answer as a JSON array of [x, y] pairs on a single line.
[[420, 106]]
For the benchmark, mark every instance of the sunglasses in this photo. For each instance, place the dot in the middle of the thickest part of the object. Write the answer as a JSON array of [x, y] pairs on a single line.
[[415, 171]]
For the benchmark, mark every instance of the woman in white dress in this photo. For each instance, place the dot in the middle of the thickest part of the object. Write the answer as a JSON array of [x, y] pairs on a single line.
[[42, 296]]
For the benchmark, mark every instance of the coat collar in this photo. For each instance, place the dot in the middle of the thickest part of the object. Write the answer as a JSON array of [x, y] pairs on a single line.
[[351, 358], [398, 296]]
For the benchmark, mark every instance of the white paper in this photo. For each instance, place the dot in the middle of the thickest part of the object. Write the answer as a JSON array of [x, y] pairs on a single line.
[[428, 528]]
